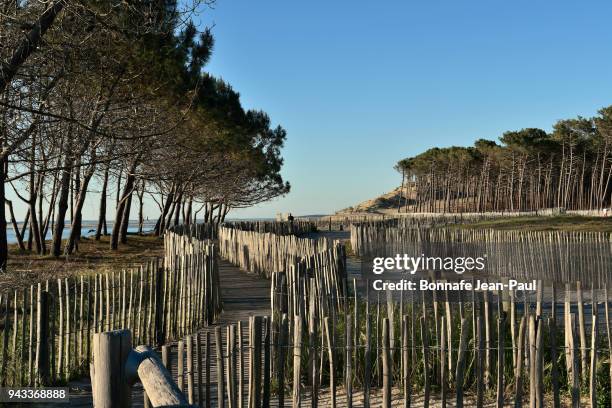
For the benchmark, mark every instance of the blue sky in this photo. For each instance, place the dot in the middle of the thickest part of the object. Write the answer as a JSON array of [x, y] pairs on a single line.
[[360, 85]]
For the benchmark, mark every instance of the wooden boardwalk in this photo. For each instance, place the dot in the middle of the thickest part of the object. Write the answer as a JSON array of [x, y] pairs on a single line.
[[243, 295]]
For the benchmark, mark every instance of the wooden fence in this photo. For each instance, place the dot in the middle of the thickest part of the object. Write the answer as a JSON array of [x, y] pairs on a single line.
[[552, 256], [415, 351], [303, 271], [266, 253], [46, 330], [354, 346], [208, 231], [317, 281], [348, 218], [201, 231], [294, 227], [116, 367], [344, 221]]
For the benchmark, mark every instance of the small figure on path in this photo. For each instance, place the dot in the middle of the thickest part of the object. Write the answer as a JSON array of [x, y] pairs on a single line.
[[290, 219]]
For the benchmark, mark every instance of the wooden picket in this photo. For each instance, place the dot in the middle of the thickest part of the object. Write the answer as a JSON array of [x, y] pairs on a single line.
[[158, 301]]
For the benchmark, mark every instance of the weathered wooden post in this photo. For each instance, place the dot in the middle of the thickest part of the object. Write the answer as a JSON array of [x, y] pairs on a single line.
[[180, 375], [539, 374], [406, 362], [207, 358], [190, 371], [297, 359], [554, 373], [109, 382], [143, 364], [520, 357], [443, 375], [42, 339], [386, 361], [220, 368], [348, 362], [479, 361], [241, 370], [255, 362], [267, 363], [573, 351], [593, 375], [230, 337], [367, 375], [500, 359], [332, 368], [532, 362], [282, 341], [116, 367], [425, 345], [460, 375]]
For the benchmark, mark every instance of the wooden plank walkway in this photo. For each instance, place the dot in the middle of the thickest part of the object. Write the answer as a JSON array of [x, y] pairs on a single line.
[[244, 294]]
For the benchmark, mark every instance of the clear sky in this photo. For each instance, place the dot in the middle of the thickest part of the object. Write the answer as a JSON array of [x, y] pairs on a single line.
[[359, 85]]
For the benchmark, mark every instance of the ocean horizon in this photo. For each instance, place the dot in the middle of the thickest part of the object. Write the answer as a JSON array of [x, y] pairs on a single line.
[[89, 227]]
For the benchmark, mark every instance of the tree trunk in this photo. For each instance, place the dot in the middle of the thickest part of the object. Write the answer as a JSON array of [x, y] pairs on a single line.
[[34, 227], [118, 188], [62, 205], [41, 229], [76, 218], [29, 44], [15, 226], [3, 240], [125, 219], [187, 219], [75, 231], [177, 211], [220, 214], [160, 225], [140, 209], [168, 219], [225, 211], [102, 214], [206, 211], [399, 198], [26, 222], [121, 206], [49, 216]]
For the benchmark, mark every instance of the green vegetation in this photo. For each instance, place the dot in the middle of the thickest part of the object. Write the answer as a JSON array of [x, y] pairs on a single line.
[[556, 223], [112, 98], [531, 169]]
